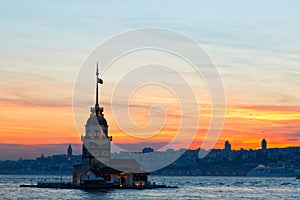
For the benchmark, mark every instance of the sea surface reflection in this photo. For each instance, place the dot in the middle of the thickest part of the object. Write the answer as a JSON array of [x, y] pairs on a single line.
[[190, 187]]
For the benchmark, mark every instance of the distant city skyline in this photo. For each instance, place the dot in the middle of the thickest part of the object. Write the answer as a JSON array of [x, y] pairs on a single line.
[[14, 152], [254, 45], [219, 162]]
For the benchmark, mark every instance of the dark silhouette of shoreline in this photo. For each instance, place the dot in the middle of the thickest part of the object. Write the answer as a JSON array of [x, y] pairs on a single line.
[[219, 162]]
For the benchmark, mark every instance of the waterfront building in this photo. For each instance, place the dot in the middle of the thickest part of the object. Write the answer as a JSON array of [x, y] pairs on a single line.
[[97, 165]]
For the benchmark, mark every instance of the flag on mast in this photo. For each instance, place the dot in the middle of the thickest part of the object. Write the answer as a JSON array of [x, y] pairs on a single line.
[[100, 80]]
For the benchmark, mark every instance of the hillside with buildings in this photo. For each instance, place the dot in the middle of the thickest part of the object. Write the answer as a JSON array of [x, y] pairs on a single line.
[[219, 162]]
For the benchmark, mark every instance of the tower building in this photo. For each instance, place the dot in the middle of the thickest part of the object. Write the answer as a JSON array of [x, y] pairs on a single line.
[[227, 146], [96, 142], [97, 166], [69, 152], [264, 144]]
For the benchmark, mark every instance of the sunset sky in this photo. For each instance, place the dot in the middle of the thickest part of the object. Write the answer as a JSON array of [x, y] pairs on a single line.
[[254, 45]]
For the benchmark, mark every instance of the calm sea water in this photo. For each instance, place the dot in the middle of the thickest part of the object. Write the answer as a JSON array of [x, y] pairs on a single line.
[[196, 187]]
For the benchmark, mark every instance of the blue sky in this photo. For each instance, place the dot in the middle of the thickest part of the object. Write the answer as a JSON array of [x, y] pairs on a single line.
[[255, 42], [255, 46]]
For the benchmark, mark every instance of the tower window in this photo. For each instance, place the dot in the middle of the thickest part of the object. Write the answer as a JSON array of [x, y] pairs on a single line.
[[96, 133]]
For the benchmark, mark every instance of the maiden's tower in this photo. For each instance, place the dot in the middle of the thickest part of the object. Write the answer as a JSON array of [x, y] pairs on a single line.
[[97, 167]]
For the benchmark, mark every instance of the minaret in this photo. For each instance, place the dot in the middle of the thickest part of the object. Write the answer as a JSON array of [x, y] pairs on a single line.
[[69, 152]]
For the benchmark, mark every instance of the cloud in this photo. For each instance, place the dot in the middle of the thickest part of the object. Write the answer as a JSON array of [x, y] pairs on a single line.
[[296, 133], [33, 103]]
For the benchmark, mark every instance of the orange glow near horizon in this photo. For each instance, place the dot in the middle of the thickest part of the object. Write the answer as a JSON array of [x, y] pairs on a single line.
[[244, 127], [32, 125]]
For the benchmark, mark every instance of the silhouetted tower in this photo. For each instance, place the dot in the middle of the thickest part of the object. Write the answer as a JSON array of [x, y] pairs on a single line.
[[96, 142], [227, 146], [264, 144], [69, 152]]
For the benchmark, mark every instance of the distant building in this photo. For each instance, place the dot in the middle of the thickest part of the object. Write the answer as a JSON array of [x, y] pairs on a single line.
[[147, 150], [227, 146], [69, 152], [264, 144]]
